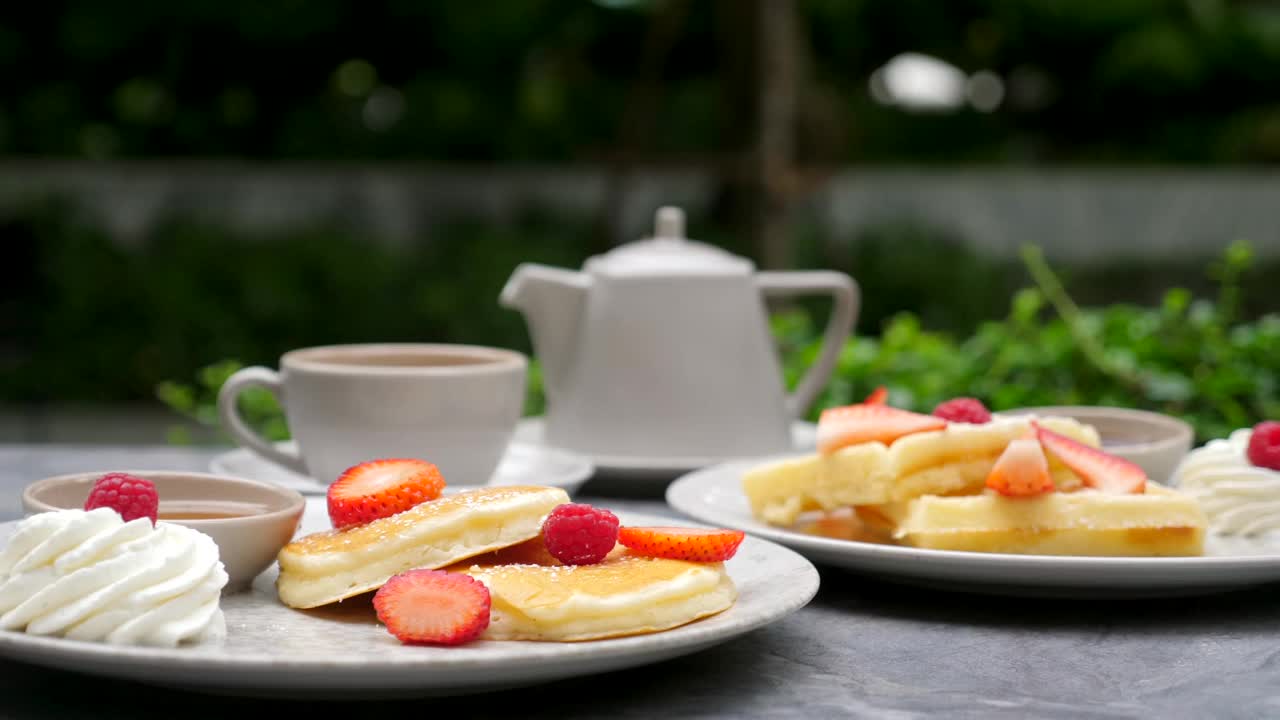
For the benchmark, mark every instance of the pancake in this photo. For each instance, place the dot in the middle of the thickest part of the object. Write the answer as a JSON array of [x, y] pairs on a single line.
[[952, 461], [329, 566], [857, 475], [1159, 522], [530, 552], [627, 594]]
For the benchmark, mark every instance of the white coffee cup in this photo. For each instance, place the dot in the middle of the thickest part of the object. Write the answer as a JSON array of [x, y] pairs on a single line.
[[452, 405]]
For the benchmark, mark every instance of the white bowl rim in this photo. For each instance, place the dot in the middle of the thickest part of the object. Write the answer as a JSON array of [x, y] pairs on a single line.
[[293, 502], [1174, 431]]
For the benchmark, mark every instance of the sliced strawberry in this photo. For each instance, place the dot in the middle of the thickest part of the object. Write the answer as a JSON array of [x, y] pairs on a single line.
[[1022, 470], [853, 424], [879, 396], [382, 488], [433, 607], [682, 543], [1096, 468]]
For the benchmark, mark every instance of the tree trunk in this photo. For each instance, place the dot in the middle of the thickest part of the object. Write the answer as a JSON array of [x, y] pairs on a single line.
[[638, 114], [772, 150]]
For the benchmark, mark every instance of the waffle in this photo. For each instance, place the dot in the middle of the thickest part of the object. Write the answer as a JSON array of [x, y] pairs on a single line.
[[952, 461], [1158, 522], [330, 566], [624, 595]]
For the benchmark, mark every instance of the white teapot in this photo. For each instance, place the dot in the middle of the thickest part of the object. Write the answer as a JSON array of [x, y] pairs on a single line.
[[662, 348]]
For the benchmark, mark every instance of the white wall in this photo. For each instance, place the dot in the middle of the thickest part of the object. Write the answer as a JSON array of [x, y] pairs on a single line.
[[1088, 215]]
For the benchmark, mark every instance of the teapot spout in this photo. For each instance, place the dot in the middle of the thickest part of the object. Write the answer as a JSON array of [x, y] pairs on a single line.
[[551, 301]]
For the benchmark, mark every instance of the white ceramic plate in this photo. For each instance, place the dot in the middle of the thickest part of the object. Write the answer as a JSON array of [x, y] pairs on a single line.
[[530, 430], [714, 495], [523, 464], [271, 650]]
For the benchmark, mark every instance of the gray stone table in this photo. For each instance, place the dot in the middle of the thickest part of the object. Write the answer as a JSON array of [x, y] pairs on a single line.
[[863, 648]]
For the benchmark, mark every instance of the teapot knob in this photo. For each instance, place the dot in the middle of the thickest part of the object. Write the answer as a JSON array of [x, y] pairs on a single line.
[[669, 223]]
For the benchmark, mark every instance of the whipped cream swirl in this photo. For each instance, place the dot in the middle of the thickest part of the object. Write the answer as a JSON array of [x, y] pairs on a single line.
[[1238, 497], [92, 576]]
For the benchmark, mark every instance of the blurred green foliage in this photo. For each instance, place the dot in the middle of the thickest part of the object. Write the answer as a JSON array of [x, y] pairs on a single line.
[[1191, 358], [93, 320], [547, 80], [198, 401], [96, 320]]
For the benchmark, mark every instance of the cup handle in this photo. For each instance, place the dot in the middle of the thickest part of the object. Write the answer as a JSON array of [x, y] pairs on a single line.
[[845, 294], [240, 431]]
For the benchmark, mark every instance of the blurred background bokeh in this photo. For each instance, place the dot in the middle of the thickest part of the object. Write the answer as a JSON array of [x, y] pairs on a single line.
[[1043, 201]]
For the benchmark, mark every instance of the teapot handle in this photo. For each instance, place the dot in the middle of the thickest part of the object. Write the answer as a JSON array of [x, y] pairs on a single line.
[[846, 295]]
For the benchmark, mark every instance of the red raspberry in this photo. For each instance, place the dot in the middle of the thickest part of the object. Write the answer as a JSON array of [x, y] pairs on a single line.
[[1264, 445], [132, 497], [963, 410], [578, 534]]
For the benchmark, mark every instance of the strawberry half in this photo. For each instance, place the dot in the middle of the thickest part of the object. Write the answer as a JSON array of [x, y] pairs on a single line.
[[1097, 469], [433, 607], [1022, 470], [852, 424], [381, 488], [879, 396], [682, 543]]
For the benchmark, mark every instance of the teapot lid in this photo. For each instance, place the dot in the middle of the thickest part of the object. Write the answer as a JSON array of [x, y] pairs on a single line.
[[669, 252]]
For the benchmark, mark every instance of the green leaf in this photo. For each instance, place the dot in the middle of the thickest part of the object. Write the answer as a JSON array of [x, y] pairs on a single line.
[[1026, 305], [177, 396], [1176, 302]]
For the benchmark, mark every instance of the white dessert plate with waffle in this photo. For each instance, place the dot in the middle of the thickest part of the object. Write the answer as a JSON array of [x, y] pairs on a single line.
[[522, 464], [342, 652], [714, 495], [531, 431]]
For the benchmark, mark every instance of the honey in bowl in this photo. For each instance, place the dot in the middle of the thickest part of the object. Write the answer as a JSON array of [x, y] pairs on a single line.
[[209, 511]]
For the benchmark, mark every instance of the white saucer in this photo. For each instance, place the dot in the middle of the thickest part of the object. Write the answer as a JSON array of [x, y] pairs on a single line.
[[344, 653], [523, 464], [714, 495], [530, 430]]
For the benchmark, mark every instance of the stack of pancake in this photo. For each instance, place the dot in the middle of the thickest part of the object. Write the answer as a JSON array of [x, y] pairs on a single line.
[[493, 534], [927, 489]]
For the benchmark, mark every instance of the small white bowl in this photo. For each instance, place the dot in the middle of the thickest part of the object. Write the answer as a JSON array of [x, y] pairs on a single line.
[[1151, 440], [258, 518]]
